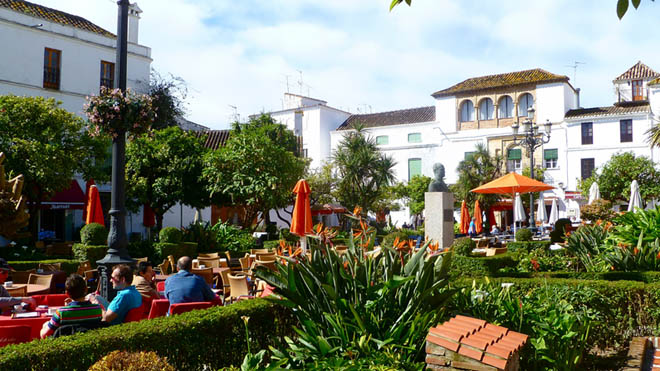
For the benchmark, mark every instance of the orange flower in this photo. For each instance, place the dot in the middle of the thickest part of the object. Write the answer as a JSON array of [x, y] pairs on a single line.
[[612, 267], [346, 264], [319, 228], [635, 251], [658, 256], [396, 242], [357, 211], [282, 244]]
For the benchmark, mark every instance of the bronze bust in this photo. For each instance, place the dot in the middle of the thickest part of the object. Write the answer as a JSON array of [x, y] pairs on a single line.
[[438, 184]]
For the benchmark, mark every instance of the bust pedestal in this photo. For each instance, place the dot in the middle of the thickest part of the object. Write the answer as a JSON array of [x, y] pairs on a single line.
[[439, 220]]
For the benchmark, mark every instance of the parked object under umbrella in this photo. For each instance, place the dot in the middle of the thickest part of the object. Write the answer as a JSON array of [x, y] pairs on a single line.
[[554, 212], [94, 208], [465, 218], [635, 199], [541, 214], [301, 221], [594, 193]]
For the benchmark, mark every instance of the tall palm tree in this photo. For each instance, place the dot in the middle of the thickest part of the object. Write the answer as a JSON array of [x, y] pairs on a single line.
[[654, 135], [479, 168]]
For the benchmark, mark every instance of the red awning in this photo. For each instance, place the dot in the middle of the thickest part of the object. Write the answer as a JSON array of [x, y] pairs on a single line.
[[70, 198], [328, 209]]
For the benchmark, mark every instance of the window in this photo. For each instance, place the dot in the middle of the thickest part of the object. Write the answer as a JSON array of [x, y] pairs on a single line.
[[637, 90], [514, 159], [107, 74], [52, 62], [626, 130], [550, 157], [587, 133], [382, 139], [415, 138], [414, 167], [524, 104], [506, 107], [305, 153], [587, 166], [469, 155], [486, 109], [467, 111]]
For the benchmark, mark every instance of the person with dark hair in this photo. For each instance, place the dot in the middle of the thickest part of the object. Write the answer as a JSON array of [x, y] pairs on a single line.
[[185, 287], [78, 311], [7, 300], [144, 280], [127, 296]]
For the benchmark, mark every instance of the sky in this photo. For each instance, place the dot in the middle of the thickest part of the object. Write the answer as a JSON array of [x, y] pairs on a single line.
[[360, 57]]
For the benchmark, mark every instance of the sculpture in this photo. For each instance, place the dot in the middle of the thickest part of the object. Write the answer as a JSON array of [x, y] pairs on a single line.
[[13, 215], [438, 184]]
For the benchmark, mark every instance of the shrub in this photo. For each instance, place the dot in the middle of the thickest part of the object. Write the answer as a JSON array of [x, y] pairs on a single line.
[[587, 243], [271, 245], [598, 210], [544, 260], [231, 238], [132, 361], [463, 246], [170, 235], [89, 252], [527, 245], [203, 235], [285, 234], [562, 226], [68, 266], [523, 235], [201, 339], [482, 266], [139, 249], [94, 234], [163, 249]]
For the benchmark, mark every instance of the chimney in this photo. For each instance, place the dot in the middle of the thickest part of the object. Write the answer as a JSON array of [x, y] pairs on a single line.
[[577, 97], [133, 22]]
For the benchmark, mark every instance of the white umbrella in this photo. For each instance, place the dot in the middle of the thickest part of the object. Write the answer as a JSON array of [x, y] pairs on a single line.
[[198, 216], [651, 204], [554, 212], [635, 198], [541, 214], [594, 193], [518, 211]]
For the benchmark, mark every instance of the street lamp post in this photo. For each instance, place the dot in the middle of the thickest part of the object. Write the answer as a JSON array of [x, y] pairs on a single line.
[[117, 242], [530, 138]]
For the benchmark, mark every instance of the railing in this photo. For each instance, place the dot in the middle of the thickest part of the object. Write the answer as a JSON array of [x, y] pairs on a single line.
[[51, 77], [108, 83]]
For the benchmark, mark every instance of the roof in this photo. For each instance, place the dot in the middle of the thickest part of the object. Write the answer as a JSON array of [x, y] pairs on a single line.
[[639, 71], [54, 15], [476, 339], [623, 108], [654, 81], [214, 138], [509, 79], [404, 116]]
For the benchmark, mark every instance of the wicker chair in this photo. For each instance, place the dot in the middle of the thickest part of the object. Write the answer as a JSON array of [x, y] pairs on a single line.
[[211, 255], [40, 279], [22, 276], [205, 273], [170, 258], [209, 262], [239, 287], [245, 263], [164, 267], [17, 291], [51, 267]]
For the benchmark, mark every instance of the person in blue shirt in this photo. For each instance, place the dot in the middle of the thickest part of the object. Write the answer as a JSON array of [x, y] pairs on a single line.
[[127, 296], [185, 287], [472, 230]]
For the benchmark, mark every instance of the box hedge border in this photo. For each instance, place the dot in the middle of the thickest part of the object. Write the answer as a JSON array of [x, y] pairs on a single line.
[[199, 339], [481, 266], [68, 265], [163, 249]]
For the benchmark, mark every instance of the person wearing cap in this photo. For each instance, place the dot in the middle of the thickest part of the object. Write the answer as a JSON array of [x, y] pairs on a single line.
[[7, 300]]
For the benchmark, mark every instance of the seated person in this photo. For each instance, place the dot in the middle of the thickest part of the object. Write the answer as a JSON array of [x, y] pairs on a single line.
[[144, 281], [7, 300], [185, 287], [127, 296], [77, 311], [494, 230]]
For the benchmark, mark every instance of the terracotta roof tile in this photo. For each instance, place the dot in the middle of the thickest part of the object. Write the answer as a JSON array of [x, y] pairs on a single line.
[[476, 342], [655, 81], [495, 362], [622, 108], [400, 117], [214, 138], [449, 333], [470, 352], [453, 346], [54, 15], [474, 321], [637, 72], [509, 79], [499, 350]]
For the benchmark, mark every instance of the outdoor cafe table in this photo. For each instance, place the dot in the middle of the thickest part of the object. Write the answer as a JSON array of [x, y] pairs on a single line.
[[35, 323], [32, 289]]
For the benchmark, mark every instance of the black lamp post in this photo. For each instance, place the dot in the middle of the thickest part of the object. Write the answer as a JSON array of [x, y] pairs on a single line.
[[117, 242], [531, 139]]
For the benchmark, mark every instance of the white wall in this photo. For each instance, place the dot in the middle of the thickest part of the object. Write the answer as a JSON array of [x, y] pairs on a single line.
[[552, 102], [446, 114]]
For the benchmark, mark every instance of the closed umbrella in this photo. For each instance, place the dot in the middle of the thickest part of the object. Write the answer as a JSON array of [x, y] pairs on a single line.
[[198, 216], [635, 198], [94, 208], [478, 221], [148, 216], [594, 192], [465, 218], [88, 184], [554, 212], [518, 211], [301, 221], [541, 214]]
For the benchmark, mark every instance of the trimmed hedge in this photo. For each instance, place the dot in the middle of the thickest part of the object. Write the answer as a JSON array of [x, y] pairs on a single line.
[[163, 249], [89, 252], [271, 245], [645, 277], [170, 235], [481, 266], [93, 234], [69, 266], [211, 338], [527, 245]]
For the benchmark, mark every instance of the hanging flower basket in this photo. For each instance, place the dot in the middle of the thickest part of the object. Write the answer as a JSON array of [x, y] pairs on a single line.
[[114, 111]]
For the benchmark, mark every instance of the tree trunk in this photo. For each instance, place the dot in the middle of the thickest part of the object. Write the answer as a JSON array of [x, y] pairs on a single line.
[[159, 220]]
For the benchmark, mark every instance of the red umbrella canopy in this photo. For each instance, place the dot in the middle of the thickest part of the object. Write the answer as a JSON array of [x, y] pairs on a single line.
[[301, 222], [148, 216], [477, 218], [94, 209], [88, 184], [465, 218]]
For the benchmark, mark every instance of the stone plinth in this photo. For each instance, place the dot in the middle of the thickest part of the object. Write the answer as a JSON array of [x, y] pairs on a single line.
[[439, 218]]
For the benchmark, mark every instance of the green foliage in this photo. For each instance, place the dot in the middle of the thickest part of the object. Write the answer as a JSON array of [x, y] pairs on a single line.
[[94, 234], [163, 249], [597, 210], [92, 253], [478, 169], [323, 185], [203, 234], [170, 235], [558, 234], [257, 168], [362, 304], [139, 249], [402, 235], [364, 172], [616, 175], [271, 245], [544, 260], [482, 266], [527, 245], [413, 192], [230, 238], [131, 361], [587, 243], [68, 266], [115, 112], [463, 246], [214, 338], [523, 235], [167, 99], [164, 169]]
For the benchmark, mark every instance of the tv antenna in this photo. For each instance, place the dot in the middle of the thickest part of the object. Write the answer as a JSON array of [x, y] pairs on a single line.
[[300, 82], [235, 116], [574, 66]]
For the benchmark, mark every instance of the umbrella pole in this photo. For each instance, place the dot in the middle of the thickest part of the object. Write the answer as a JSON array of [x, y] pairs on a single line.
[[303, 244], [514, 213]]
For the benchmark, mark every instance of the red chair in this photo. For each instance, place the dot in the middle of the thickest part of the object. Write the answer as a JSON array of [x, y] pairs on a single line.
[[14, 335], [159, 308], [135, 314], [187, 307], [52, 300], [146, 305], [160, 286]]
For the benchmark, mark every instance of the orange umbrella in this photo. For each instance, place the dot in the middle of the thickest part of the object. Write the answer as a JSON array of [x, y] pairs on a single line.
[[477, 217], [88, 184], [465, 218], [301, 222], [512, 183], [94, 209]]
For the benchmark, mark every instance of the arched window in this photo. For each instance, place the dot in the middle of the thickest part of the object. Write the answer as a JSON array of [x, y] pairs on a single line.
[[486, 109], [526, 102], [505, 107], [467, 111]]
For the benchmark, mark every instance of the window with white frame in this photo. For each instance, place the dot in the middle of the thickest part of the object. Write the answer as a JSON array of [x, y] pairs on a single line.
[[486, 109], [524, 104], [467, 111], [550, 157], [505, 107], [382, 140], [414, 167], [415, 138]]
